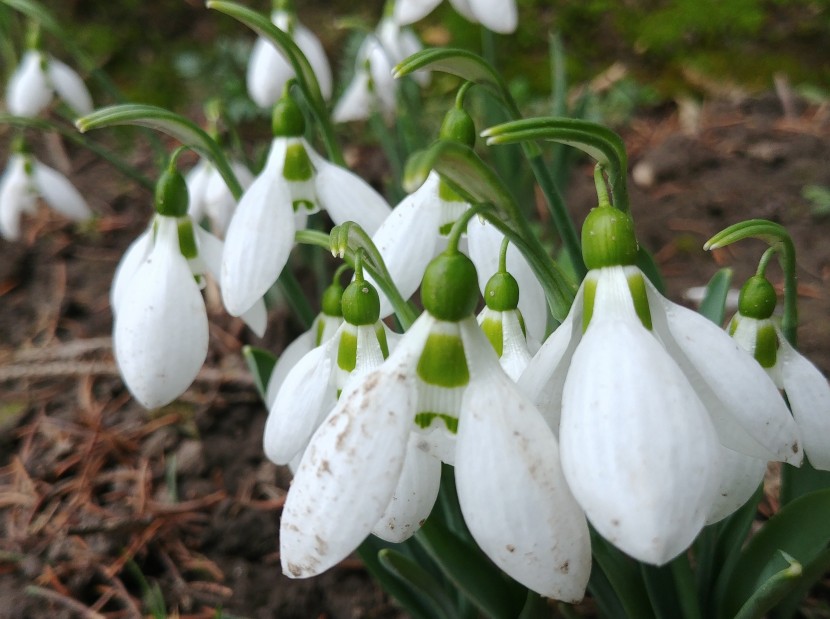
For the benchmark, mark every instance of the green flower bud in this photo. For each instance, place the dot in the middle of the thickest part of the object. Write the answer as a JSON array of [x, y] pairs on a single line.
[[757, 298], [331, 300], [449, 290], [171, 194], [502, 292], [608, 238], [361, 304], [458, 126], [287, 119]]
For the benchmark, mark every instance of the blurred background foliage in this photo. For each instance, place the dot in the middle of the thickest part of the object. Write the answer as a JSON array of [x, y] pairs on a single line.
[[170, 52]]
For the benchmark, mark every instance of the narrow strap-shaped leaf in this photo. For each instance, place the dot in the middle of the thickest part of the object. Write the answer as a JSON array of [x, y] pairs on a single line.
[[624, 575], [260, 363], [796, 482], [175, 125], [713, 305], [772, 590], [787, 607], [600, 142], [801, 529], [422, 583], [472, 572], [661, 592]]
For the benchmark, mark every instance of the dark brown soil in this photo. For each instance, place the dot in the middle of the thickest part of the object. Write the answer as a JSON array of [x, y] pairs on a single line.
[[104, 505]]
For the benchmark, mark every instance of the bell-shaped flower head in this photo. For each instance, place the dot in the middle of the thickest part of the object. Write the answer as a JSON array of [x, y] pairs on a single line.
[[503, 325], [373, 89], [25, 180], [269, 71], [295, 179], [37, 80], [374, 463], [210, 196], [808, 393], [497, 15], [160, 333], [642, 393], [310, 389]]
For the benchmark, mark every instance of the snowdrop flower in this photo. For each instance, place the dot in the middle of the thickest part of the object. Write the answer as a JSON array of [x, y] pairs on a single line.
[[641, 392], [36, 81], [295, 179], [503, 325], [310, 389], [25, 180], [806, 388], [322, 329], [210, 196], [269, 71], [160, 335], [497, 15], [373, 465], [373, 88]]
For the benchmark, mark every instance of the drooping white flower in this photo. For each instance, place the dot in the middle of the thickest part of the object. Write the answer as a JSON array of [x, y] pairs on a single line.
[[502, 323], [160, 331], [373, 89], [25, 180], [295, 179], [756, 330], [373, 465], [269, 71], [497, 15], [36, 81], [641, 392], [210, 196]]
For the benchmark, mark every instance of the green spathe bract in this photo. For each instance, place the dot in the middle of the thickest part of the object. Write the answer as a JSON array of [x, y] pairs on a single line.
[[608, 238], [758, 298], [361, 304], [449, 290]]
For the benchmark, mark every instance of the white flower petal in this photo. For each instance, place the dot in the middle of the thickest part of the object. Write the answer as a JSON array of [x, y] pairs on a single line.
[[497, 15], [132, 259], [739, 478], [310, 45], [356, 101], [69, 86], [267, 73], [543, 381], [385, 87], [59, 193], [28, 93], [197, 180], [259, 238], [410, 11], [809, 396], [295, 351], [161, 331], [512, 493], [414, 495], [346, 196], [347, 475], [744, 404], [307, 395], [16, 197]]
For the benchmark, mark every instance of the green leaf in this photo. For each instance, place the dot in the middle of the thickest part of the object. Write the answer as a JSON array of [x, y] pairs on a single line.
[[464, 64], [713, 305], [625, 577], [772, 590], [801, 529], [796, 482], [420, 581], [261, 363], [472, 572], [600, 142], [160, 119]]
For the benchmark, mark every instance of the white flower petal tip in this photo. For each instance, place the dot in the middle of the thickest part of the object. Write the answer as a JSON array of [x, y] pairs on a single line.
[[499, 16], [59, 193], [638, 449], [347, 476], [70, 87], [161, 332], [35, 82], [740, 477]]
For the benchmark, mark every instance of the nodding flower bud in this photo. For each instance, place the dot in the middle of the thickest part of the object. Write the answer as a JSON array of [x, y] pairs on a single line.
[[608, 238], [449, 290], [361, 304], [171, 197], [331, 302], [287, 119], [501, 293], [758, 298], [458, 126]]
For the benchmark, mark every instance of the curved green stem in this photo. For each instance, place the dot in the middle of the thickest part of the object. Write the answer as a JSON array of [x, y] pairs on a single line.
[[72, 135], [505, 243], [601, 187], [764, 261]]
